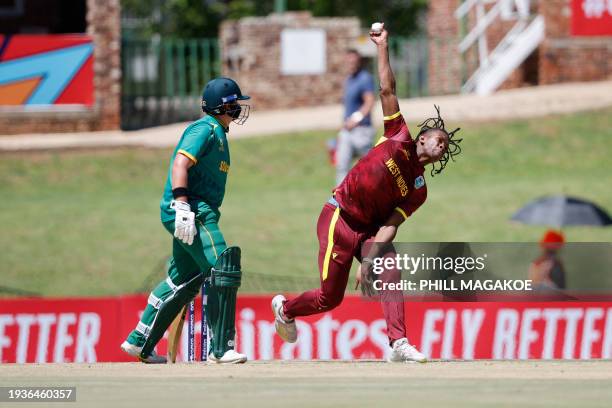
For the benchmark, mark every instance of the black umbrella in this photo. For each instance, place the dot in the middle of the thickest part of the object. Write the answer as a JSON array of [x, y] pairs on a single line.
[[560, 210]]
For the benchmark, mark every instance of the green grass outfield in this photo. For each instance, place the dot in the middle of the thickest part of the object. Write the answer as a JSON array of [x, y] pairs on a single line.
[[87, 222]]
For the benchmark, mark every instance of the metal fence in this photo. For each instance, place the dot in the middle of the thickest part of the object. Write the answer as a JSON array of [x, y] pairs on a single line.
[[162, 79], [410, 59]]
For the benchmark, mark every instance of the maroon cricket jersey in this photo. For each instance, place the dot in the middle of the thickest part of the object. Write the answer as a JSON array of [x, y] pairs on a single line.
[[389, 178]]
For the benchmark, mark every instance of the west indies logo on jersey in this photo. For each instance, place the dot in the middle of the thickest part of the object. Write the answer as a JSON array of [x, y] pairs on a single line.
[[419, 182], [396, 174]]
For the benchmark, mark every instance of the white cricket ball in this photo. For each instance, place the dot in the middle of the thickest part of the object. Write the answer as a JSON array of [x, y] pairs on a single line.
[[377, 27]]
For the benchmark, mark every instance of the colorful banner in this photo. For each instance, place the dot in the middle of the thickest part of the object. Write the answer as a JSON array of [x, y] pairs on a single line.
[[591, 18], [91, 329], [44, 70]]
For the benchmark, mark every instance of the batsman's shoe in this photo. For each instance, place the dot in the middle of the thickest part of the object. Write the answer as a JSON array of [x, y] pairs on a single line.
[[134, 351], [230, 357], [286, 329], [404, 352]]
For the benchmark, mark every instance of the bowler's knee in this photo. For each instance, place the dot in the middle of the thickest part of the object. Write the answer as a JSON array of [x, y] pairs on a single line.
[[329, 300]]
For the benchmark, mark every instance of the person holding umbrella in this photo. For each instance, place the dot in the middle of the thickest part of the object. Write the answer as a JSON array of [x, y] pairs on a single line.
[[557, 211], [547, 271]]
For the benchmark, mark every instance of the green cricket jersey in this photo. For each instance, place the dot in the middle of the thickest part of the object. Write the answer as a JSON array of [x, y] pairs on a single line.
[[205, 143]]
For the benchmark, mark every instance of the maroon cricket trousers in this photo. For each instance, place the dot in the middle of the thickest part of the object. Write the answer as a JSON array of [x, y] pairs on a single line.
[[341, 240]]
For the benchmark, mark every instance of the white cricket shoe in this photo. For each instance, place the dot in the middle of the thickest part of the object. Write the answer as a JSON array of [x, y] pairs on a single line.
[[230, 357], [403, 352], [134, 351], [286, 329]]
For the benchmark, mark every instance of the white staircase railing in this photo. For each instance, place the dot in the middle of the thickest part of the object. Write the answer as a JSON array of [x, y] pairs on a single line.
[[519, 42]]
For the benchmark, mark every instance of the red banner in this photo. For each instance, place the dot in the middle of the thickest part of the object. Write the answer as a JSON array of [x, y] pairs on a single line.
[[46, 70], [591, 17], [91, 329]]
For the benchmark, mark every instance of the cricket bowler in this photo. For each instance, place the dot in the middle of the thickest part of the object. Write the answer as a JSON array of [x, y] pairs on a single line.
[[190, 211], [383, 189]]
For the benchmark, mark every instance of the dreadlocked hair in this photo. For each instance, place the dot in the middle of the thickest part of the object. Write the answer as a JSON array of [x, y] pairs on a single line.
[[453, 150]]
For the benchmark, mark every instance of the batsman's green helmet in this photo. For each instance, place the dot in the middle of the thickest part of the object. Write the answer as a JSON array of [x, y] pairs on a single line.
[[221, 91]]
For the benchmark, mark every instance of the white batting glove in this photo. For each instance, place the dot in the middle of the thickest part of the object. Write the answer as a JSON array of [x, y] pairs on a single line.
[[184, 222]]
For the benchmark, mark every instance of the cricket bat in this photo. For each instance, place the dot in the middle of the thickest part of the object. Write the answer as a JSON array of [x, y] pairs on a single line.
[[174, 335]]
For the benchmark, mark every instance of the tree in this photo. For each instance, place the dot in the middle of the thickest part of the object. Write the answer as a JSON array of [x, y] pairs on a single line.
[[201, 18], [402, 16]]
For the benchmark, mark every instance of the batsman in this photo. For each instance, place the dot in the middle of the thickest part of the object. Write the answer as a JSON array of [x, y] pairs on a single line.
[[194, 191]]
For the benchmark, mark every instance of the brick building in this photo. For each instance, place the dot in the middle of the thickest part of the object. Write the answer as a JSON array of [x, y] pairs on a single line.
[[562, 54], [48, 99], [312, 73]]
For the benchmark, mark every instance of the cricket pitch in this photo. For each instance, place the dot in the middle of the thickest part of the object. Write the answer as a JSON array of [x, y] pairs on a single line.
[[325, 384]]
